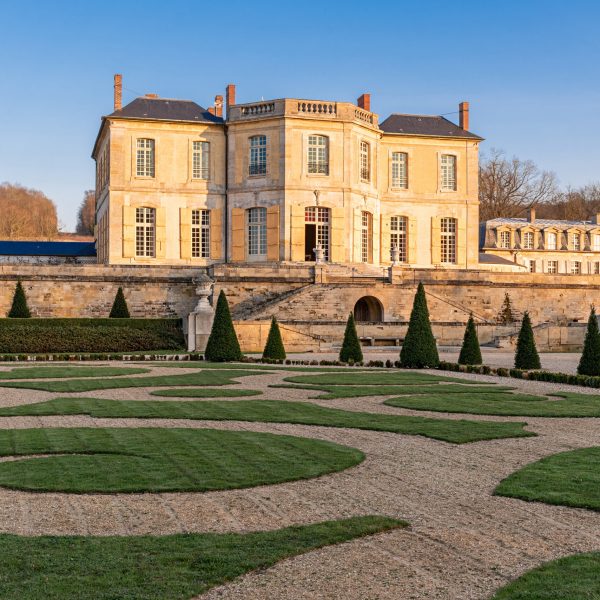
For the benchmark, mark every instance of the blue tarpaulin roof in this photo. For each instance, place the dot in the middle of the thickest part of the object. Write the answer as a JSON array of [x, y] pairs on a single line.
[[47, 249]]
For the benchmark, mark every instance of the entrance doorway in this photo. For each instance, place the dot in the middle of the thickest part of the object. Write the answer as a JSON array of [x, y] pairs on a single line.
[[316, 231], [368, 310]]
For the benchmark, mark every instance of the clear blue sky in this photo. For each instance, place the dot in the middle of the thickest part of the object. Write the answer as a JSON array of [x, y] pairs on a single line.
[[530, 69]]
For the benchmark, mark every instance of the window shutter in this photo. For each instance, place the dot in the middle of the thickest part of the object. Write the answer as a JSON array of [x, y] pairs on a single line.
[[386, 239], [185, 233], [412, 241], [128, 231], [461, 243], [161, 232], [436, 251], [357, 227], [338, 248], [216, 234], [238, 235], [273, 233], [297, 231]]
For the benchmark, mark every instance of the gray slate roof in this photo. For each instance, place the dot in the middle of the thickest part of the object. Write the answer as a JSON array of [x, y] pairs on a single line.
[[424, 125], [166, 109], [492, 259], [541, 223]]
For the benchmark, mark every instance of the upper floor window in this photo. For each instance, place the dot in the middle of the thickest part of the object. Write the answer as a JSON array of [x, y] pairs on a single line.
[[398, 238], [145, 232], [596, 242], [365, 161], [551, 241], [200, 160], [200, 233], [145, 158], [258, 155], [257, 231], [576, 241], [528, 240], [366, 237], [400, 170], [448, 240], [318, 155], [505, 239], [448, 173]]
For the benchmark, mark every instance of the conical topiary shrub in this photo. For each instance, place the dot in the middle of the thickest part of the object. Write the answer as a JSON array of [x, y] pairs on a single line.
[[351, 350], [19, 308], [526, 356], [274, 349], [419, 349], [470, 353], [119, 308], [506, 316], [589, 364], [222, 345]]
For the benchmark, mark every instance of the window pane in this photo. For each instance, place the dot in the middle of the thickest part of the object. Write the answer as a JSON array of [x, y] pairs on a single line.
[[145, 219], [448, 172], [398, 237], [400, 170], [448, 240], [257, 231], [145, 158], [258, 155], [318, 154], [200, 160], [201, 233], [365, 161]]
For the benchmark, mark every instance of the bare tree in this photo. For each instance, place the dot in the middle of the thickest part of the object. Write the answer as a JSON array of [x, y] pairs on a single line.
[[574, 204], [86, 217], [26, 214], [507, 187]]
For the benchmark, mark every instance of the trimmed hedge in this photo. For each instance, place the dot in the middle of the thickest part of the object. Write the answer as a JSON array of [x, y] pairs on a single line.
[[31, 336]]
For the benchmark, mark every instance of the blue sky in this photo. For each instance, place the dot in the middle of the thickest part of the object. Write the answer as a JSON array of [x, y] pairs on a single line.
[[529, 68]]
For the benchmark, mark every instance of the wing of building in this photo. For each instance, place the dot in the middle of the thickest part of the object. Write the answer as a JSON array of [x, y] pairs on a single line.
[[284, 181]]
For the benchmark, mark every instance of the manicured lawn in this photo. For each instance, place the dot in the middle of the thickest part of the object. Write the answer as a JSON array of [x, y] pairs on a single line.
[[502, 404], [111, 460], [378, 377], [569, 478], [205, 393], [201, 378], [574, 577], [275, 411], [70, 371], [356, 391], [258, 366], [174, 567]]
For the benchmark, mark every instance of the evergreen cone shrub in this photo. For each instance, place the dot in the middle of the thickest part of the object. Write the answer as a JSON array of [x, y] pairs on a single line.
[[419, 349], [351, 350], [223, 345], [470, 353], [505, 316], [589, 364], [526, 356], [19, 308], [274, 347], [119, 308]]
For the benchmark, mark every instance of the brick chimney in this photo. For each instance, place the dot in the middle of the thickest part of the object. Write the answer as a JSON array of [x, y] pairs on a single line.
[[229, 97], [364, 102], [463, 115], [118, 91], [219, 106], [532, 214]]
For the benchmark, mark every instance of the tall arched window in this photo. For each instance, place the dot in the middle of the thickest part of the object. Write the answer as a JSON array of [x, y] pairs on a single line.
[[258, 155], [316, 231], [145, 232], [366, 237], [318, 154], [448, 241], [257, 232]]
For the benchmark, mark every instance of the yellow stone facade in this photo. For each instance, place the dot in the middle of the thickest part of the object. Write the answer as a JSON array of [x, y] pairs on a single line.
[[285, 177]]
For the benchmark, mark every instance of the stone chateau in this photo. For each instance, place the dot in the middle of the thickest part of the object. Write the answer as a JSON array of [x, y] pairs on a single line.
[[308, 210]]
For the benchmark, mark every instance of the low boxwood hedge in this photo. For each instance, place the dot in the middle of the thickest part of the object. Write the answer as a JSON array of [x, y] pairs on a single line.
[[20, 336]]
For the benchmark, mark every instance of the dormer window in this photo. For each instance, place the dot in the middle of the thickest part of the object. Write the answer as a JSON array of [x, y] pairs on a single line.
[[551, 241], [576, 241], [505, 239]]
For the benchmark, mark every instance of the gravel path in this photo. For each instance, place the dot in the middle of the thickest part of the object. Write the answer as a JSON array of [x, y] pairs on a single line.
[[463, 542]]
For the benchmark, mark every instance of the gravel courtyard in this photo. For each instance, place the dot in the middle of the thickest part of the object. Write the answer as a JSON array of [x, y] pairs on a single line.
[[462, 543]]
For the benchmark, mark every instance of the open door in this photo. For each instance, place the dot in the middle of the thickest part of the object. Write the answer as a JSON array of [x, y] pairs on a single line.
[[310, 241]]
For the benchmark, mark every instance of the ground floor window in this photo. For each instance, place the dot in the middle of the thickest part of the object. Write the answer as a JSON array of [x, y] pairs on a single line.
[[366, 237], [145, 232], [257, 231], [530, 264], [316, 231], [448, 240], [552, 266], [200, 233], [575, 268], [398, 238], [596, 268]]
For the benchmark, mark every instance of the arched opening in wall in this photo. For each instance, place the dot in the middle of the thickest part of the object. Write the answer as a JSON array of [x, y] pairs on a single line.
[[368, 309]]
